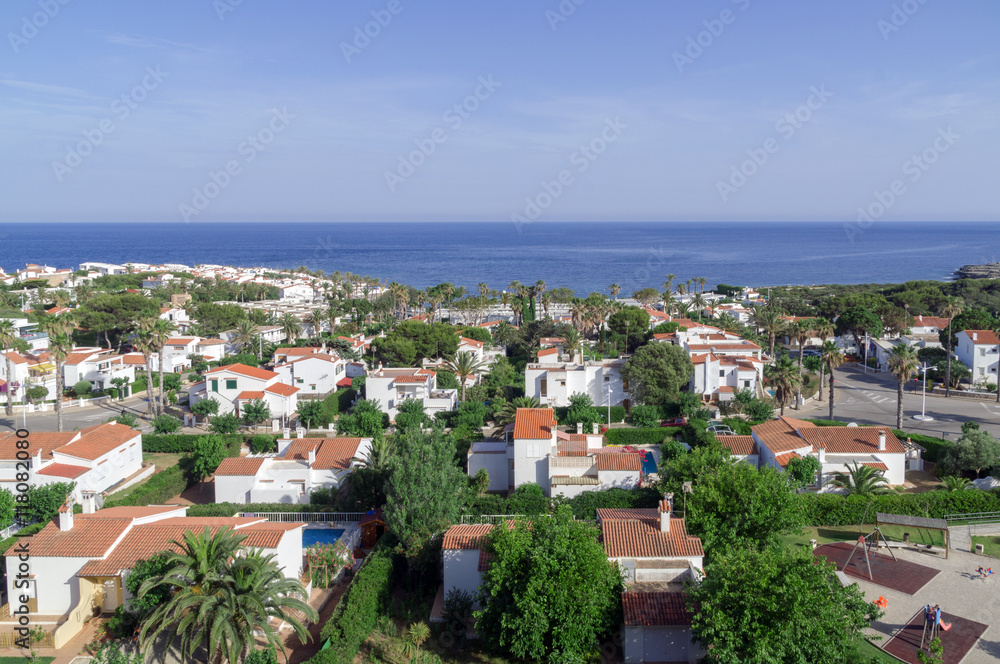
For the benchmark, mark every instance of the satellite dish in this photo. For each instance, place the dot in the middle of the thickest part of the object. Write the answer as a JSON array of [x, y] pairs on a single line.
[[852, 424]]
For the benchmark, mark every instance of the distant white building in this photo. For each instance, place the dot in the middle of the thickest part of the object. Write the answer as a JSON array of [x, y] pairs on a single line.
[[300, 466], [978, 350], [235, 385], [98, 366], [391, 387], [553, 382], [315, 372]]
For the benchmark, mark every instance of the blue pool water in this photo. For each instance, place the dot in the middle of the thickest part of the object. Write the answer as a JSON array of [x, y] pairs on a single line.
[[648, 463], [311, 536]]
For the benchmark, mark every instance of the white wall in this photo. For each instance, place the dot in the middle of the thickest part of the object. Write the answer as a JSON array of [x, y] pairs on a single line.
[[58, 590], [649, 644], [495, 464], [461, 570], [233, 488], [618, 479]]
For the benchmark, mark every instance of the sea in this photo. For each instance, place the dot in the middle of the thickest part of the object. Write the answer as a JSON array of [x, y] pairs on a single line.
[[586, 257]]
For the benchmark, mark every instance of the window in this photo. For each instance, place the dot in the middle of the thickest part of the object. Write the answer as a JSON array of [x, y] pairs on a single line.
[[131, 452], [533, 451], [722, 373], [121, 459], [982, 352], [544, 387], [562, 383], [982, 371], [312, 387], [300, 380], [746, 384], [215, 385], [230, 383], [607, 379]]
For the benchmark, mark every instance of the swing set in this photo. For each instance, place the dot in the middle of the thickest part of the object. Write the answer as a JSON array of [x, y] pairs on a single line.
[[866, 542]]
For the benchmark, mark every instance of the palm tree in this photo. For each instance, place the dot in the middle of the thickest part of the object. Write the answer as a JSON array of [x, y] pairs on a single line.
[[572, 341], [221, 600], [142, 340], [506, 415], [769, 321], [861, 480], [832, 358], [464, 365], [785, 379], [699, 303], [291, 326], [159, 334], [800, 332], [60, 331], [246, 334], [956, 483], [953, 307], [615, 289], [381, 451], [902, 364], [7, 336]]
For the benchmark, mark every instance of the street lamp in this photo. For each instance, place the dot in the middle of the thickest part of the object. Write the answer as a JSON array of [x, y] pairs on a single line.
[[923, 416]]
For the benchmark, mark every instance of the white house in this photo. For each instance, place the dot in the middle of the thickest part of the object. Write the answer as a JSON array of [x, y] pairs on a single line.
[[18, 370], [742, 448], [300, 466], [178, 316], [96, 459], [553, 382], [718, 378], [390, 387], [560, 463], [29, 333], [233, 385], [78, 564], [97, 365], [315, 372], [928, 325], [978, 350], [837, 448], [271, 334]]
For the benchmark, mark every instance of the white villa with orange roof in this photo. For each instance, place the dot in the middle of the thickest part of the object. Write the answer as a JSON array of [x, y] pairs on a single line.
[[315, 372], [98, 365], [553, 382], [979, 350], [79, 563], [778, 441], [560, 463], [95, 459], [300, 466], [390, 387], [19, 369], [233, 385]]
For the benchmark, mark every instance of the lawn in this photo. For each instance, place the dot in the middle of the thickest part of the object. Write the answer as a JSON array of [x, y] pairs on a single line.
[[161, 460], [22, 660], [829, 534], [870, 650], [992, 543]]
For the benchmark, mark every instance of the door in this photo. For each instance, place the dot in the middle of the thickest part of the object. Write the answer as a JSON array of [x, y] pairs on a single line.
[[110, 597]]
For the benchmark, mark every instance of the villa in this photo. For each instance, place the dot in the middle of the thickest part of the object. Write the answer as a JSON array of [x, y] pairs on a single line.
[[391, 387], [553, 382], [978, 350], [99, 366], [235, 385]]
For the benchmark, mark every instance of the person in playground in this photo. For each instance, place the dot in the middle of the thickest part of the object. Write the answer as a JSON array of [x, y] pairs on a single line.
[[933, 615]]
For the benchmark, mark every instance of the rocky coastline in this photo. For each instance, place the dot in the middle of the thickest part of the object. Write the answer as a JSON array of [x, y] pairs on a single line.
[[987, 271]]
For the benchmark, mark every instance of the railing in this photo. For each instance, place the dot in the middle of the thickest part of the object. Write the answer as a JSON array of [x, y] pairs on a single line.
[[494, 519], [307, 517], [571, 462], [974, 517]]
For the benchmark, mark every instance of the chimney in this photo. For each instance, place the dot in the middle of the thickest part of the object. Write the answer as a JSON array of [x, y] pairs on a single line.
[[881, 441], [666, 506], [89, 498], [66, 516], [595, 428], [312, 456], [36, 462], [821, 454], [579, 428], [975, 336]]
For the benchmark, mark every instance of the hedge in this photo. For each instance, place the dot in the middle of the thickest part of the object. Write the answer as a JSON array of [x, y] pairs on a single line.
[[354, 618], [157, 490], [181, 443], [585, 505], [640, 436], [936, 447], [229, 509], [825, 509]]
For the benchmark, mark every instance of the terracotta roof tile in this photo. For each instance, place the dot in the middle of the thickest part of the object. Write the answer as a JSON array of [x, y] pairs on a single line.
[[336, 453], [250, 395], [852, 440], [465, 537], [654, 609], [244, 370], [96, 441], [534, 423], [641, 537], [281, 389], [88, 538], [63, 470], [781, 435], [783, 459], [619, 461], [411, 378], [239, 466], [40, 441], [983, 337], [739, 445], [876, 465]]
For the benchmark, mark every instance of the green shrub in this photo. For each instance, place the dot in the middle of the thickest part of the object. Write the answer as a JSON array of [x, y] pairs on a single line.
[[265, 656], [647, 416], [139, 385], [82, 388], [617, 414], [826, 509], [263, 443], [157, 490], [355, 616], [739, 426], [653, 436], [182, 443], [166, 424], [229, 509], [28, 531], [586, 504]]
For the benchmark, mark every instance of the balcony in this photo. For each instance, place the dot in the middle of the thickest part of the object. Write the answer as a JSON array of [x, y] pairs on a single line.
[[571, 462], [34, 336]]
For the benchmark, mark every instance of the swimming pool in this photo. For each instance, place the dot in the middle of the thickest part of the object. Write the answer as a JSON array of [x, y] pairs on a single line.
[[648, 463], [311, 536]]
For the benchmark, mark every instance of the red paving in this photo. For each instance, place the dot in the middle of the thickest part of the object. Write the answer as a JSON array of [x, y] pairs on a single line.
[[899, 575], [957, 641]]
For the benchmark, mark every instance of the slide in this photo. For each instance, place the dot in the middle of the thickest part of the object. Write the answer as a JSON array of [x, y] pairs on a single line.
[[943, 625]]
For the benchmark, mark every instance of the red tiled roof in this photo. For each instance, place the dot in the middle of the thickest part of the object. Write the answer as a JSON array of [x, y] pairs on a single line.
[[281, 389], [930, 321], [983, 337], [96, 441], [244, 370], [465, 537], [876, 465], [239, 466], [88, 538], [781, 435], [15, 357], [570, 447], [484, 561], [40, 441], [344, 382], [250, 395], [336, 453], [534, 423], [783, 459], [641, 538], [548, 351], [411, 378], [654, 609], [63, 470], [619, 461], [852, 440], [739, 445], [470, 342]]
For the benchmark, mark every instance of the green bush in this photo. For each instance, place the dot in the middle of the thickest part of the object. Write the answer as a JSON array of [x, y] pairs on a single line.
[[826, 509], [653, 436], [647, 416], [82, 388], [139, 385], [157, 490], [265, 656], [354, 618], [585, 505], [263, 443], [166, 424], [28, 531], [229, 509], [182, 443], [617, 413]]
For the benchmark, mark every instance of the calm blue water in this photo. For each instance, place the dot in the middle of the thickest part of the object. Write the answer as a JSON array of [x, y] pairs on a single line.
[[648, 464], [584, 256], [311, 536]]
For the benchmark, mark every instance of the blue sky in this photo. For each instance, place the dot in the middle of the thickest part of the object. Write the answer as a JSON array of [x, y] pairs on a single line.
[[123, 111]]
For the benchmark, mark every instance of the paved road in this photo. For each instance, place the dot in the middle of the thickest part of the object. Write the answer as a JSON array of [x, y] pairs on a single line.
[[75, 417], [871, 399]]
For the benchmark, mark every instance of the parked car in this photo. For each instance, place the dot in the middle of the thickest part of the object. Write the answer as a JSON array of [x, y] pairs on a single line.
[[674, 422], [811, 353]]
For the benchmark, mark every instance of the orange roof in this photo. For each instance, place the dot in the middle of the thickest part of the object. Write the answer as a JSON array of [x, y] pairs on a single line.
[[930, 321], [852, 440], [88, 538], [728, 345], [63, 470], [548, 351], [281, 389], [641, 538], [244, 370], [534, 423], [654, 609], [739, 445], [41, 441], [299, 449], [239, 466], [781, 435], [619, 461], [250, 395], [96, 441], [412, 378], [983, 337], [331, 453], [470, 342], [876, 465], [15, 357], [465, 537], [571, 447], [783, 459]]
